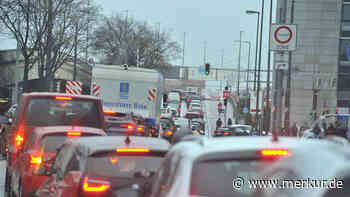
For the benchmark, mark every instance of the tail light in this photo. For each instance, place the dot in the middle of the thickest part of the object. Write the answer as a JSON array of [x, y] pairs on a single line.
[[74, 134], [274, 153], [132, 150], [169, 132], [95, 186], [226, 133], [108, 112], [63, 98], [19, 140], [140, 129], [129, 126], [35, 159]]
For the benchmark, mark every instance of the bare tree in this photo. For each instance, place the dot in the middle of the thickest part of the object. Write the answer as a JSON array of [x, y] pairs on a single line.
[[122, 40], [44, 30]]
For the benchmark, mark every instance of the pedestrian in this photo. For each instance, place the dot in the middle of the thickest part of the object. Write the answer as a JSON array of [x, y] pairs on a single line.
[[218, 123], [229, 122], [294, 130]]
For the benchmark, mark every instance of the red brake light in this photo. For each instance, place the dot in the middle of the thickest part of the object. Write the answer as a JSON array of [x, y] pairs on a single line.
[[274, 153], [141, 129], [109, 112], [132, 150], [129, 126], [74, 133], [170, 133], [225, 133], [35, 159], [19, 140], [63, 98], [91, 185]]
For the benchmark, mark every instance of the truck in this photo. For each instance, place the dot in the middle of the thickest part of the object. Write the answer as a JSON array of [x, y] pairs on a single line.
[[127, 89]]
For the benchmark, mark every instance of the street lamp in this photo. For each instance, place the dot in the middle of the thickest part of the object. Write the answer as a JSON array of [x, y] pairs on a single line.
[[250, 12]]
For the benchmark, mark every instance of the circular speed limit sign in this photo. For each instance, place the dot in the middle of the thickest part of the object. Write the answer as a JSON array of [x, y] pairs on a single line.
[[283, 37], [283, 34]]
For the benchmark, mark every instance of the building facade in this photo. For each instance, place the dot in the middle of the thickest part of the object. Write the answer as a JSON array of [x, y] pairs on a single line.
[[317, 74]]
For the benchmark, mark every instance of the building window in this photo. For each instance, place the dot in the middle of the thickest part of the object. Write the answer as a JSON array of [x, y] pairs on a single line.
[[346, 1], [345, 52], [346, 21]]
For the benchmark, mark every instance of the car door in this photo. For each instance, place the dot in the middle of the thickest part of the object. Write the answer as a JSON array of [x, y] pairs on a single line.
[[52, 187]]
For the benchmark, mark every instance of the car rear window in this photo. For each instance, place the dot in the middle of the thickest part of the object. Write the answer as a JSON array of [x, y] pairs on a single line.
[[204, 174], [50, 143], [124, 166], [53, 112], [191, 116]]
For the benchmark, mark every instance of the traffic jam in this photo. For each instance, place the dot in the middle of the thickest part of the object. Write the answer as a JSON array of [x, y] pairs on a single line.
[[67, 145]]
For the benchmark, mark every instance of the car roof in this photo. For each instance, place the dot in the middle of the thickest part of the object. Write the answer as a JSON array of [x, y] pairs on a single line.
[[49, 94], [41, 131], [201, 146], [93, 145]]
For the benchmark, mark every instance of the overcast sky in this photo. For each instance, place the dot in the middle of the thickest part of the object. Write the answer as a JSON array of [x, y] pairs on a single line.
[[217, 22]]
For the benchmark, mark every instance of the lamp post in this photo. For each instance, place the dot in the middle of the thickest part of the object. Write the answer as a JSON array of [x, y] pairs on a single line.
[[250, 12]]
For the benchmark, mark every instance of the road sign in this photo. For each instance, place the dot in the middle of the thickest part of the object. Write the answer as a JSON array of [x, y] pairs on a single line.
[[281, 65], [349, 53], [201, 69], [245, 110], [124, 90], [283, 37]]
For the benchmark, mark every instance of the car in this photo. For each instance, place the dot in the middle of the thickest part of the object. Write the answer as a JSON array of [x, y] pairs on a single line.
[[165, 111], [193, 115], [241, 130], [167, 129], [125, 126], [335, 180], [175, 108], [51, 109], [223, 131], [196, 101], [195, 106], [41, 146], [100, 166], [202, 166], [181, 122], [181, 92], [174, 96], [196, 110]]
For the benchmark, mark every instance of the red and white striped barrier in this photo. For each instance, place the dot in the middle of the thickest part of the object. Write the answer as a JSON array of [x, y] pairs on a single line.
[[96, 89], [74, 87], [152, 94]]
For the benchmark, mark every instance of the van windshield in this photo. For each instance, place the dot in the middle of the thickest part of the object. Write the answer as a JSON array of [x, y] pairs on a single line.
[[52, 112]]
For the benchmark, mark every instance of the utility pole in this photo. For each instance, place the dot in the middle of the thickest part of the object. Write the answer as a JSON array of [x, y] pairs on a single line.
[[87, 33], [267, 115], [259, 67], [222, 65], [75, 51], [205, 52], [239, 62], [288, 92], [183, 50]]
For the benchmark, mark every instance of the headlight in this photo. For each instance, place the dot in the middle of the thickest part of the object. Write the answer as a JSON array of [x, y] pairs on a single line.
[[264, 132]]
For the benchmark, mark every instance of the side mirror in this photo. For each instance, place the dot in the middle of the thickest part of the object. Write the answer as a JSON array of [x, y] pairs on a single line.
[[133, 191]]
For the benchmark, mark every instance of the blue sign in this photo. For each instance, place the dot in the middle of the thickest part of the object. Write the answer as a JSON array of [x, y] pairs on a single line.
[[348, 53], [245, 110], [201, 69], [124, 90]]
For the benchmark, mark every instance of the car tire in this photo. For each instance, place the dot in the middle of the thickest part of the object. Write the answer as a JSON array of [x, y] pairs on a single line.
[[20, 190], [7, 182]]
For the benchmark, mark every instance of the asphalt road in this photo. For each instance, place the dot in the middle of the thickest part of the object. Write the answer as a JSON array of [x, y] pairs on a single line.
[[2, 177]]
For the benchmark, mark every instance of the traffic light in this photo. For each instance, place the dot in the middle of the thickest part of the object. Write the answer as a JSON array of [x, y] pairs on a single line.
[[207, 69], [226, 88], [311, 115], [225, 102]]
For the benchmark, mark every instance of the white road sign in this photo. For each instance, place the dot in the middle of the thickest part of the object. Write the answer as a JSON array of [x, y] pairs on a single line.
[[283, 37]]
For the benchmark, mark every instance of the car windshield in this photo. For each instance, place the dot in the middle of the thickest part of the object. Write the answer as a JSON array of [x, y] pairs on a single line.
[[243, 128], [181, 122], [206, 173], [122, 166], [53, 112], [50, 143], [173, 105]]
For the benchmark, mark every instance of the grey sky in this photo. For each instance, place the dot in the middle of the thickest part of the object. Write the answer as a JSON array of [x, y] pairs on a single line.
[[218, 22]]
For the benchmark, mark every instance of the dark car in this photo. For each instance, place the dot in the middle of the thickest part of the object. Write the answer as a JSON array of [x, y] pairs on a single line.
[[167, 129], [241, 130], [101, 166], [124, 126], [221, 132]]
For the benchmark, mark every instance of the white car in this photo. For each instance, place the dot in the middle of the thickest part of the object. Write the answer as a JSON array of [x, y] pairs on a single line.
[[181, 122]]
